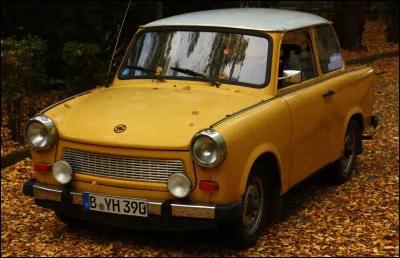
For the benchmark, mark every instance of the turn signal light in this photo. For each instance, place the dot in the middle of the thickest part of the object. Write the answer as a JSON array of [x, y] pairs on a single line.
[[42, 167], [207, 185]]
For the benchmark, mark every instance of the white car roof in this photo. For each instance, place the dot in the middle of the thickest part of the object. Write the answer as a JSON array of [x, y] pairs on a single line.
[[264, 19]]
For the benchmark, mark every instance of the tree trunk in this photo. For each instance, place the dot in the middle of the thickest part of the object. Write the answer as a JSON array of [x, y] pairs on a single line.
[[349, 23], [159, 10], [393, 22]]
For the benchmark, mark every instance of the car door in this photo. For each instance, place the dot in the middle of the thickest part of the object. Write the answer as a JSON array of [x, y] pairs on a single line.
[[310, 111], [343, 97]]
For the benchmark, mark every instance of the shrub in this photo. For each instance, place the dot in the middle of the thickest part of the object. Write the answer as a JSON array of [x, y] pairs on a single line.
[[22, 73], [85, 68]]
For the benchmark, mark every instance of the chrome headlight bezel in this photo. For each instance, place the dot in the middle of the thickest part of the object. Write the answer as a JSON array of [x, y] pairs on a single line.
[[220, 144], [50, 128]]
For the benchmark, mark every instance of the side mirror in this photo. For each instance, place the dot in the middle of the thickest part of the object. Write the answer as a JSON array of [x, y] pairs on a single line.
[[291, 76], [117, 61]]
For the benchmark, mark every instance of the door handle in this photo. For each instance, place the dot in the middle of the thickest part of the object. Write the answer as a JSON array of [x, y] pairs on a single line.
[[329, 93]]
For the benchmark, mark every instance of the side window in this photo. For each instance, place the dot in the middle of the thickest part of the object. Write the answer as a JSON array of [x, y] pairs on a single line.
[[296, 54], [328, 49]]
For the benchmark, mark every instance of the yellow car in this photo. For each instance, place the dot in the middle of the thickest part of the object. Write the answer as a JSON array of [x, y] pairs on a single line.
[[211, 118]]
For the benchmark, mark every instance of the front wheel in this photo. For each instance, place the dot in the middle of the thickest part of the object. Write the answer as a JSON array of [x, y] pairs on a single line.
[[342, 169], [245, 230]]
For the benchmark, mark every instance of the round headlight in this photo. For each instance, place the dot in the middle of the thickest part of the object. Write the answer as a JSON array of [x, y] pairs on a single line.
[[208, 148], [40, 132], [178, 185], [62, 172]]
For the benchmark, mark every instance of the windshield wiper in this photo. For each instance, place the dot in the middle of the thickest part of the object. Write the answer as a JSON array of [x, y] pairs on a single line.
[[195, 74], [144, 69]]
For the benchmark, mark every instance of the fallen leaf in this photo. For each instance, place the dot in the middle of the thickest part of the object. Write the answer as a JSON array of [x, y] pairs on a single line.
[[186, 88], [159, 70], [195, 112], [66, 105], [222, 76]]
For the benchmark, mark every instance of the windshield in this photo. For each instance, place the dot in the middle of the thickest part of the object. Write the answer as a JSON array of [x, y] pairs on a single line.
[[231, 58]]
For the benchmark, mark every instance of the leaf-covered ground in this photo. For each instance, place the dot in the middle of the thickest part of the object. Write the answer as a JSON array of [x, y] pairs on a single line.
[[374, 41], [358, 218]]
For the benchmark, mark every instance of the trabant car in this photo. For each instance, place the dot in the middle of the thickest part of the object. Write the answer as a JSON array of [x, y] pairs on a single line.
[[210, 119]]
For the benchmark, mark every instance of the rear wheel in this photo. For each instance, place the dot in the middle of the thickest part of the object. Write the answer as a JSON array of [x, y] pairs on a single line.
[[342, 169], [245, 230]]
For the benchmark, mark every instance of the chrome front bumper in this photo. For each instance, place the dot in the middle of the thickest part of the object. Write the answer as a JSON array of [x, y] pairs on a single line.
[[165, 208]]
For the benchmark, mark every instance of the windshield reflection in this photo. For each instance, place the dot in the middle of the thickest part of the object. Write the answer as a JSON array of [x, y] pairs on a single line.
[[226, 57]]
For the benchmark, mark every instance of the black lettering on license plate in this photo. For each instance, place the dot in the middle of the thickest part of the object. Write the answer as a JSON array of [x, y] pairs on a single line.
[[119, 205]]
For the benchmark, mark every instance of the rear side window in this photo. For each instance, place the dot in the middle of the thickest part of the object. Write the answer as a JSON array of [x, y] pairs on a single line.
[[330, 58]]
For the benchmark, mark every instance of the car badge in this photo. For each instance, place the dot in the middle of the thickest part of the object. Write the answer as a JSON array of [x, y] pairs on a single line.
[[120, 128]]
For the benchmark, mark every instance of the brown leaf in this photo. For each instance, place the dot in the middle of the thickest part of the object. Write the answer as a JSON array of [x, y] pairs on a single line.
[[66, 105], [191, 124], [226, 51], [222, 76], [186, 88], [159, 70], [195, 112]]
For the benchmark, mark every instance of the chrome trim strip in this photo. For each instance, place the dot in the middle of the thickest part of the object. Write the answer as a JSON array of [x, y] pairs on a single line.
[[64, 100], [200, 210], [193, 211]]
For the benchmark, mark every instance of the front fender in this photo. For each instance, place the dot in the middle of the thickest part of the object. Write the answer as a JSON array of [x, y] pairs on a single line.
[[255, 154], [262, 129]]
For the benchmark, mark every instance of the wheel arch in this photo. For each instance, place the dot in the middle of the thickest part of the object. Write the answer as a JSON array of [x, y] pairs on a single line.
[[271, 168], [356, 114], [270, 160]]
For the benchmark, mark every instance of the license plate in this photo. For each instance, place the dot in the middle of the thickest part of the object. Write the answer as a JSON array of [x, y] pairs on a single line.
[[114, 204]]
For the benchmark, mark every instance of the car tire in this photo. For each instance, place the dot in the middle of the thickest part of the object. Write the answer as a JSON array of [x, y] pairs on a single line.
[[244, 231], [342, 169], [70, 221]]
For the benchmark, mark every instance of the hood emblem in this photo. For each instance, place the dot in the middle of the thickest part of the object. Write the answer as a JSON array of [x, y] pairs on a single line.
[[120, 128]]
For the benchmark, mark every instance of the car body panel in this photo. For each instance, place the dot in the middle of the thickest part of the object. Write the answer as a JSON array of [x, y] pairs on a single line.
[[91, 118]]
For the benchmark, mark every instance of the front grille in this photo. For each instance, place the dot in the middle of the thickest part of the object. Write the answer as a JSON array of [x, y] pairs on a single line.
[[154, 170]]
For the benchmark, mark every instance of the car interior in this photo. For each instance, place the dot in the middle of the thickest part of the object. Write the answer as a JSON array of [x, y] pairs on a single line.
[[296, 54]]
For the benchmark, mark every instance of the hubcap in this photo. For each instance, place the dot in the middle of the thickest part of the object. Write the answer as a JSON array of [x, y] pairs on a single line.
[[253, 206], [349, 151]]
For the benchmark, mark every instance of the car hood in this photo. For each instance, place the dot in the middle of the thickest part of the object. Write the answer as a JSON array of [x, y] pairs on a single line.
[[155, 118]]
